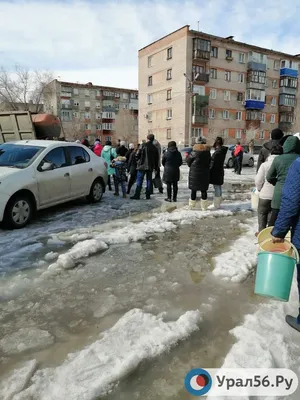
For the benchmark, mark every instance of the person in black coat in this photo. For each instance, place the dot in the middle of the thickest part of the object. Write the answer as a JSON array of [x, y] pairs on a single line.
[[217, 171], [132, 167], [172, 160], [199, 163], [122, 150]]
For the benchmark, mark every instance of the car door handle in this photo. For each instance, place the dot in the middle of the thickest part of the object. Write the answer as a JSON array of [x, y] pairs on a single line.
[[67, 175], [90, 169]]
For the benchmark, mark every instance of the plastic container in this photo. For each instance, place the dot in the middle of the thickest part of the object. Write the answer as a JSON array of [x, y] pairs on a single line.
[[254, 199], [274, 275], [265, 234], [284, 248]]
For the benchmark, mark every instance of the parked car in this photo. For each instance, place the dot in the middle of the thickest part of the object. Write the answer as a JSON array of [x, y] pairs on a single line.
[[37, 174], [248, 159], [185, 152]]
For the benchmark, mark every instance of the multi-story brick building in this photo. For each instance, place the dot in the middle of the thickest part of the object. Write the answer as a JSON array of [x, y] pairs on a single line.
[[94, 111], [193, 84]]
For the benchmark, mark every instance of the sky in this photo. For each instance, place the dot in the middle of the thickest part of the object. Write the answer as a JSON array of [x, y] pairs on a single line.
[[98, 41]]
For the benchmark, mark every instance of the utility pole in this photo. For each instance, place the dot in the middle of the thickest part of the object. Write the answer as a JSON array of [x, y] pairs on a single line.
[[191, 95], [198, 26]]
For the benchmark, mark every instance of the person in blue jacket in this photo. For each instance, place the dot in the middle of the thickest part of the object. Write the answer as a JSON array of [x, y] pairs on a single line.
[[289, 218]]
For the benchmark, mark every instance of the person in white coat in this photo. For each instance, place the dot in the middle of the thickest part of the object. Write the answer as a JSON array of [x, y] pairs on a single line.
[[265, 189]]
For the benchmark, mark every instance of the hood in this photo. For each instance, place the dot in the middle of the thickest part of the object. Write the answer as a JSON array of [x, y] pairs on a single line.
[[270, 144], [201, 147], [106, 148], [271, 158], [291, 145], [171, 149], [6, 171]]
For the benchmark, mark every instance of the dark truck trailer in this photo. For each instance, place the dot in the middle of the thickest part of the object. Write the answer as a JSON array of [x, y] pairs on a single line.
[[24, 125]]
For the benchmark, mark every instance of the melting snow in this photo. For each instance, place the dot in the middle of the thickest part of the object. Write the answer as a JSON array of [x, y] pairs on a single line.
[[25, 339]]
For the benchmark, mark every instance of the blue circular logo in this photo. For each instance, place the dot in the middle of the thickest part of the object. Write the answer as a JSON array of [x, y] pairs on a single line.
[[198, 382]]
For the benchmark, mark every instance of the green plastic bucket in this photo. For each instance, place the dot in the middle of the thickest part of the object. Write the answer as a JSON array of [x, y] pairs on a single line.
[[274, 275]]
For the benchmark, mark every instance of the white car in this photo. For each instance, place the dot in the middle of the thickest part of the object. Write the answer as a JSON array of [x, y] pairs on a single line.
[[248, 158], [37, 174]]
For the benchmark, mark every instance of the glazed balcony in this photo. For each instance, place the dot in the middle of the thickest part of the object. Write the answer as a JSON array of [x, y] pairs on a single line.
[[199, 119], [254, 105]]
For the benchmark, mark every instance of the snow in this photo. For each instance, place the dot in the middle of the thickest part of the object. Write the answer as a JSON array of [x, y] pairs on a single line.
[[237, 263], [93, 372], [25, 339], [18, 380]]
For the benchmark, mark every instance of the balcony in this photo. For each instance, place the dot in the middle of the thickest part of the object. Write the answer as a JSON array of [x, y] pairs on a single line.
[[253, 116], [285, 126], [287, 100], [66, 106], [201, 77], [288, 90], [289, 72], [201, 55], [286, 109], [200, 100], [256, 66], [255, 85], [199, 119], [254, 104]]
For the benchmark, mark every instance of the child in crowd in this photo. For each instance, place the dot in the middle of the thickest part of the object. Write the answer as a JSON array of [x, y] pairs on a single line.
[[120, 166]]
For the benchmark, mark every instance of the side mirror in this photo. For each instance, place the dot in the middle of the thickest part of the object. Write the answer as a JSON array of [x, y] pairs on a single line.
[[46, 167]]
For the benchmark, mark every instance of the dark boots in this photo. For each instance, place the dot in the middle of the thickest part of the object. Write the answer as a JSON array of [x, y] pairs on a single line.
[[137, 194]]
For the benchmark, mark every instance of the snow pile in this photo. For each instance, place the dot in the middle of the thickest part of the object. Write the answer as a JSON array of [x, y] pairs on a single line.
[[130, 232], [25, 339], [92, 372], [236, 264]]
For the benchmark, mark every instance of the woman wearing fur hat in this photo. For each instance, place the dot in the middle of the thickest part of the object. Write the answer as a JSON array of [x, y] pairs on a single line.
[[199, 162]]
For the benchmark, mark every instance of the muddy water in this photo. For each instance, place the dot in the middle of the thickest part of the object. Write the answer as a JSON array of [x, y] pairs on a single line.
[[169, 272]]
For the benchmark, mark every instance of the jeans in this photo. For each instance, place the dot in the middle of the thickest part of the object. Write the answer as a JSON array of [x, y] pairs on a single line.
[[238, 165], [274, 215], [123, 187], [175, 190], [131, 181], [218, 190], [264, 211], [203, 195], [109, 181], [140, 179]]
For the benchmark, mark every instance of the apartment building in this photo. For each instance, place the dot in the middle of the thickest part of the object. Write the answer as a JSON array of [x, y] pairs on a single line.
[[88, 110], [194, 84]]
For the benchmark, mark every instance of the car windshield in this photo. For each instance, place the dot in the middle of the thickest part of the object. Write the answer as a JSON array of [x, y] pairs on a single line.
[[17, 155]]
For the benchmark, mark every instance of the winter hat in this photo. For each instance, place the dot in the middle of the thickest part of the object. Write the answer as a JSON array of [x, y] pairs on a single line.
[[131, 145], [97, 140], [122, 143], [108, 143], [277, 134], [172, 144], [201, 140]]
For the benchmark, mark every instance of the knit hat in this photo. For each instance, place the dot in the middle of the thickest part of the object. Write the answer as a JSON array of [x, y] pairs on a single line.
[[108, 143], [122, 143], [131, 145], [277, 134]]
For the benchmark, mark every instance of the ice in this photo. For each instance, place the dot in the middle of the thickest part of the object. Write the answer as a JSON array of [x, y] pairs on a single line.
[[92, 372], [18, 380], [51, 256], [237, 263], [25, 339]]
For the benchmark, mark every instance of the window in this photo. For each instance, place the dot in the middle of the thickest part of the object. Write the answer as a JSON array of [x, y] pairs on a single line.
[[197, 132], [117, 95], [213, 73], [238, 133], [257, 76], [212, 113], [253, 94], [201, 45], [108, 126], [149, 98], [214, 52], [87, 92], [228, 54], [87, 127], [241, 77], [98, 116], [169, 133], [169, 53], [87, 104], [126, 95], [75, 114], [226, 95], [169, 74], [262, 135], [225, 133], [240, 96], [76, 103], [276, 65], [169, 114], [149, 83], [227, 76], [107, 138], [239, 115], [274, 83], [225, 114], [125, 106], [56, 157], [98, 93], [288, 100], [242, 58], [213, 94], [263, 117], [288, 82], [98, 105], [272, 119], [149, 116], [149, 61], [197, 69], [273, 101], [86, 115], [98, 127], [76, 91], [169, 94], [78, 155]]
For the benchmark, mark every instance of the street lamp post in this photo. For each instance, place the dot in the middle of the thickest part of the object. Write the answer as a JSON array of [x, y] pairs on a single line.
[[191, 94]]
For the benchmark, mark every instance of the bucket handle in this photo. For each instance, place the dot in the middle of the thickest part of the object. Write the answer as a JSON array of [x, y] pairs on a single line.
[[296, 254]]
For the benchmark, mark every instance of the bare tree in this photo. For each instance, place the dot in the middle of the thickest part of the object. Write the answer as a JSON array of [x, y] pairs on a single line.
[[23, 89], [251, 133], [126, 126]]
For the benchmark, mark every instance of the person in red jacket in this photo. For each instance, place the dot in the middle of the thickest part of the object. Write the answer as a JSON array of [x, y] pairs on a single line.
[[238, 158], [97, 149]]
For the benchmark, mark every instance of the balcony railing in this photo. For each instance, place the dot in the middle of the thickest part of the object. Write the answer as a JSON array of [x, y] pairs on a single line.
[[255, 85], [285, 126], [201, 77], [289, 72], [199, 119], [288, 90], [66, 106], [201, 55], [256, 66], [254, 104], [286, 109], [200, 100]]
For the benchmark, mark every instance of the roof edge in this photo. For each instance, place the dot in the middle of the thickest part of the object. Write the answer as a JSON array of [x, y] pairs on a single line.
[[163, 37]]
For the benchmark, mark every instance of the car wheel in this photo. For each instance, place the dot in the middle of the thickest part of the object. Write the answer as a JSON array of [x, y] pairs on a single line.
[[230, 163], [96, 192], [19, 212], [251, 162]]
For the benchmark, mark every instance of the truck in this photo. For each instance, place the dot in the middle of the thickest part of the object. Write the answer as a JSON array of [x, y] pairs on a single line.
[[24, 125]]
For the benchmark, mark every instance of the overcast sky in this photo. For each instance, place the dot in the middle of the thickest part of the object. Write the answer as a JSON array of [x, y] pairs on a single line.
[[98, 41]]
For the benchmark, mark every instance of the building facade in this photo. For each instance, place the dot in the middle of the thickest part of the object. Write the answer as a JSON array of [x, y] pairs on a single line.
[[88, 110], [194, 84]]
